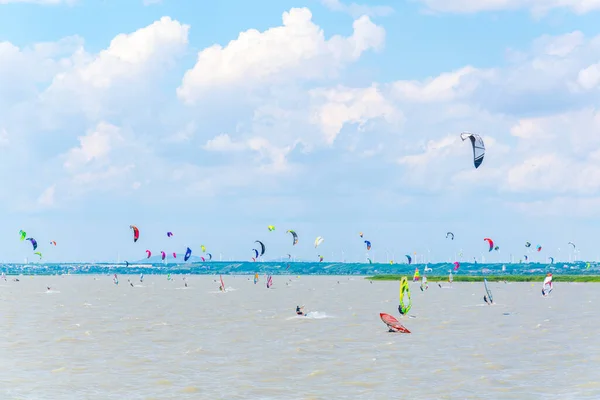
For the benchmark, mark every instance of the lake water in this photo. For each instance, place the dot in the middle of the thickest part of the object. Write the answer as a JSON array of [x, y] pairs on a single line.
[[88, 338]]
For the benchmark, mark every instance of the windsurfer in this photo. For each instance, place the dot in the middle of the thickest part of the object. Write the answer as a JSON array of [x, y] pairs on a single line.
[[486, 299]]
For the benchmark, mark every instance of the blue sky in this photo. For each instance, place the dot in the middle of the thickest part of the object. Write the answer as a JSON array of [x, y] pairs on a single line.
[[214, 120]]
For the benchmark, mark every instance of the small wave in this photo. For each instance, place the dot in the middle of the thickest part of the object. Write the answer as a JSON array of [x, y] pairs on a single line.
[[51, 291]]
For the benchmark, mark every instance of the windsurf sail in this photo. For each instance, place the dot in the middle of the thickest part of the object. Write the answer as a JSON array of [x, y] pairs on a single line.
[[547, 285], [488, 291], [255, 278], [450, 277], [478, 147], [269, 281], [405, 301], [222, 284], [416, 275], [393, 323], [424, 284]]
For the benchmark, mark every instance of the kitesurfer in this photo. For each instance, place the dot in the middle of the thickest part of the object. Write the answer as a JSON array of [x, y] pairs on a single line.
[[300, 310]]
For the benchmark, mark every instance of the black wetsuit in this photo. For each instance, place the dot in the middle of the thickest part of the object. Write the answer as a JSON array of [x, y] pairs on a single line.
[[299, 311]]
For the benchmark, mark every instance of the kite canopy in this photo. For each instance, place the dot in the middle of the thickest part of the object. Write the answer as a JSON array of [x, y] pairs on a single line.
[[23, 234], [169, 234], [409, 259], [188, 254], [262, 247], [368, 244], [318, 241], [478, 147], [136, 232], [148, 253], [33, 243], [295, 236], [450, 234], [271, 228], [491, 243]]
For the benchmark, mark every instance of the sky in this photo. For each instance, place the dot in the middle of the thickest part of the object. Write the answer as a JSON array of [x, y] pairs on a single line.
[[213, 120]]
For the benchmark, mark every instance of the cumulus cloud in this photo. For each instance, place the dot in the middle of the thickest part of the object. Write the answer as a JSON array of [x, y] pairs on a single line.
[[341, 105], [296, 50]]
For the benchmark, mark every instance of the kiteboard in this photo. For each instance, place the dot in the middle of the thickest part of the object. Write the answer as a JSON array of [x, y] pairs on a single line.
[[393, 323]]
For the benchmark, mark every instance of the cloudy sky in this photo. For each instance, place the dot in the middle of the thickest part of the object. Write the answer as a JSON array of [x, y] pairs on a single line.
[[215, 119]]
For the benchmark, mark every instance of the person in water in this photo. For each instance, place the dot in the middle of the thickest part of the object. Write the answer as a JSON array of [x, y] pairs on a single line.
[[300, 310]]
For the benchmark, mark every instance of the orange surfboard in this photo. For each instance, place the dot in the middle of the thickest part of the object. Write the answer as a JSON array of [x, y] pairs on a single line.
[[393, 323]]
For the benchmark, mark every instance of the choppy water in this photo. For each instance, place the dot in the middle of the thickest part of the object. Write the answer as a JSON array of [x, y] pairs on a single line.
[[304, 268], [87, 338]]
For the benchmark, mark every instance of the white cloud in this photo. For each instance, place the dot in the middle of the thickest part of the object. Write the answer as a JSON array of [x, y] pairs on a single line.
[[357, 10], [95, 145], [296, 50], [539, 7], [122, 71], [223, 143], [341, 105], [443, 88], [589, 77]]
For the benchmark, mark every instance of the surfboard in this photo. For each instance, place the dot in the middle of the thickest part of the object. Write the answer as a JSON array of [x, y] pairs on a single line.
[[393, 323]]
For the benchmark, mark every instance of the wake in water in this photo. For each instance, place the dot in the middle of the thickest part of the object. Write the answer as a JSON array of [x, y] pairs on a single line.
[[310, 315]]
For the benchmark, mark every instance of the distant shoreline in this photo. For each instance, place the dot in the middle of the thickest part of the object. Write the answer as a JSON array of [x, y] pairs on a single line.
[[493, 278]]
